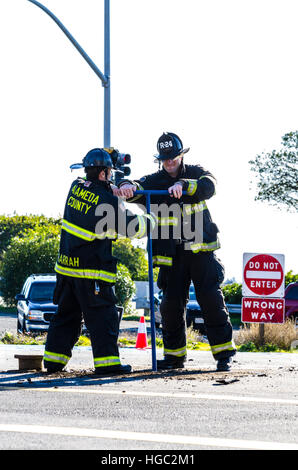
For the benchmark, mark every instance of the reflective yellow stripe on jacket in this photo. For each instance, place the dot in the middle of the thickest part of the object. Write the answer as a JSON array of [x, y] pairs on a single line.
[[194, 208], [86, 273], [162, 260], [165, 221], [78, 231]]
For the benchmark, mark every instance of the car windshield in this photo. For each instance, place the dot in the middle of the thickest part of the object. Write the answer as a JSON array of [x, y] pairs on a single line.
[[192, 295], [292, 293], [42, 292]]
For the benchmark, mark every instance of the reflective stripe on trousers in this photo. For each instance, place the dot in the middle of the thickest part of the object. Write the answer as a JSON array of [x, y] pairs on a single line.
[[56, 357], [106, 361], [176, 352], [217, 348]]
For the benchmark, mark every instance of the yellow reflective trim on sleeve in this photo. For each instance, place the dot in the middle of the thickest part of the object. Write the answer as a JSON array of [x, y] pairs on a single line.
[[110, 233], [213, 180], [192, 186], [196, 247], [142, 227], [137, 196]]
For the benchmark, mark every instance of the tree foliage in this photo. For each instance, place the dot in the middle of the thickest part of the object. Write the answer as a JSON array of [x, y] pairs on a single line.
[[277, 181], [134, 258], [17, 225], [290, 277], [30, 244]]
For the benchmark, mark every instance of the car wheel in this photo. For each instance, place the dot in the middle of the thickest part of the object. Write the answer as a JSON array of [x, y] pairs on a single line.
[[24, 329], [19, 326]]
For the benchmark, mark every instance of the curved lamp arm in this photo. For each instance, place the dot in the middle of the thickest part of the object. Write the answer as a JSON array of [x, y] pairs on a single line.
[[104, 79]]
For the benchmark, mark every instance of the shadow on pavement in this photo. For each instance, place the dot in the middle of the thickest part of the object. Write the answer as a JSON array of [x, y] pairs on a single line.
[[16, 379]]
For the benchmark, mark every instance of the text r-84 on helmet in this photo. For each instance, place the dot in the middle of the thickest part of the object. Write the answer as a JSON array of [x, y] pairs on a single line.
[[169, 146]]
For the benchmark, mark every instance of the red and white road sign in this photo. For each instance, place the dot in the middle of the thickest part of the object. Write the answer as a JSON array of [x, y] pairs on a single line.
[[263, 275], [262, 310]]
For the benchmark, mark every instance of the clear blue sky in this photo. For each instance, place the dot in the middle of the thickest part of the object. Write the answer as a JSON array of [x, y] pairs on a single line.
[[222, 75]]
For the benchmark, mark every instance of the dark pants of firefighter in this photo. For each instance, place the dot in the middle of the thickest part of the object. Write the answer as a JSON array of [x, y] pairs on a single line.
[[76, 300], [206, 273]]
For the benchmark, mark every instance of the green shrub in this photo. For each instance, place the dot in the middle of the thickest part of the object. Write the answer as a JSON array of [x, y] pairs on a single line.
[[232, 293], [124, 287], [134, 258], [34, 252]]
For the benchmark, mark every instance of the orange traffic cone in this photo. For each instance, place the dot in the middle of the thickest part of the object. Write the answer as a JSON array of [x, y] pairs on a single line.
[[142, 335]]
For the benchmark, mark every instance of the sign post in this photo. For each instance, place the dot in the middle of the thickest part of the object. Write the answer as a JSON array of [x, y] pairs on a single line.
[[263, 290]]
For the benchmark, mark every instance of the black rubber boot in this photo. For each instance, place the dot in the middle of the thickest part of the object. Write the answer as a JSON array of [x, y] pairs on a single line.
[[113, 370], [52, 368], [224, 364], [171, 362]]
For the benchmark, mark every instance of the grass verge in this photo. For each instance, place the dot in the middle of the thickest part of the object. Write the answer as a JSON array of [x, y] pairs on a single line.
[[277, 338]]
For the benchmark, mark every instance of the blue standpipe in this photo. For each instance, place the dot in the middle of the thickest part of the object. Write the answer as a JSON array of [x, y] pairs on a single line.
[[148, 194]]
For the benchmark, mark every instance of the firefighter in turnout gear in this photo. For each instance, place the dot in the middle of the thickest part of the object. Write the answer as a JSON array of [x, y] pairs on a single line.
[[86, 269], [185, 252]]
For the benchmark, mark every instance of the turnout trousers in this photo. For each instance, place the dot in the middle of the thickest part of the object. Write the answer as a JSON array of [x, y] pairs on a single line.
[[207, 273], [76, 301]]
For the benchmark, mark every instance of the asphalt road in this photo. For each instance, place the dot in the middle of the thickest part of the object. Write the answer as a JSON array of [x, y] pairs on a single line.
[[253, 407], [8, 322]]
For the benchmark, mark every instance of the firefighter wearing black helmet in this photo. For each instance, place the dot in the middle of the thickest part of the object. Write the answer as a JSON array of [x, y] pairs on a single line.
[[185, 255], [86, 269]]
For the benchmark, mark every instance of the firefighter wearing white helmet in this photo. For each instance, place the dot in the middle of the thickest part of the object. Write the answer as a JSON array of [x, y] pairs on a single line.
[[86, 269], [183, 258]]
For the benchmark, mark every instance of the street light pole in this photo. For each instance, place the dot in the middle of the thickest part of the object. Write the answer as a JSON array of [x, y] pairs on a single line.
[[105, 78], [107, 85]]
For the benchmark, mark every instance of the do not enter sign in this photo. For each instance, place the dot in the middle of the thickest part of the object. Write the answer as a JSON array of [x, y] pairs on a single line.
[[263, 275]]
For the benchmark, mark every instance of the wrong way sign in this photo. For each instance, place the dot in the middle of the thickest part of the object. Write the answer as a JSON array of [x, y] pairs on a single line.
[[262, 310], [263, 275]]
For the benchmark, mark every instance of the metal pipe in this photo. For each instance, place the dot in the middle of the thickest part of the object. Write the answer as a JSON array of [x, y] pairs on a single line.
[[148, 194]]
